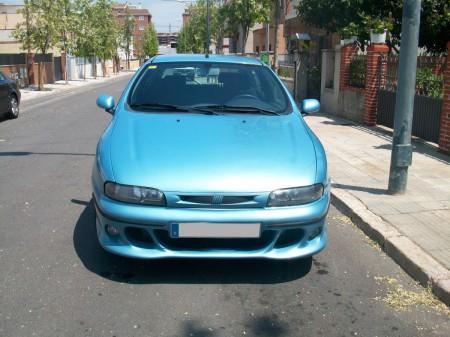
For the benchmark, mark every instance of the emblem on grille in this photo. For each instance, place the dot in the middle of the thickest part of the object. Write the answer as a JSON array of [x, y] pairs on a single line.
[[217, 199]]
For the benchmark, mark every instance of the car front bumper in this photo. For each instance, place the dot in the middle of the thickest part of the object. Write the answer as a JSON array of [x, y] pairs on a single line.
[[143, 232]]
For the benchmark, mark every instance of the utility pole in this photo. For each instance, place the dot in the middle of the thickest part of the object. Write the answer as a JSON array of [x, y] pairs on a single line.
[[401, 156], [208, 36]]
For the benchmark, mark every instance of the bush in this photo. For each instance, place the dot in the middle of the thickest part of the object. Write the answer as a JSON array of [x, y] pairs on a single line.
[[428, 83], [357, 72]]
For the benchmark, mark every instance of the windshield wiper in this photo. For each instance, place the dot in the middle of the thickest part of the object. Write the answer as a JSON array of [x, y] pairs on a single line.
[[240, 109], [156, 106], [173, 107]]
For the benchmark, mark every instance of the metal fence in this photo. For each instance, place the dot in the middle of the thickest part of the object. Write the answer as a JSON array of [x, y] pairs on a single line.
[[429, 79], [357, 71], [427, 101]]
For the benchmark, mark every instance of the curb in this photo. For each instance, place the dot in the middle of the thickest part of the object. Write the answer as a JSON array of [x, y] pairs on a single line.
[[413, 259]]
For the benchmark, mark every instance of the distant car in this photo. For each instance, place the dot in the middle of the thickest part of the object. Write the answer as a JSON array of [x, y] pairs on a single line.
[[9, 97], [209, 157]]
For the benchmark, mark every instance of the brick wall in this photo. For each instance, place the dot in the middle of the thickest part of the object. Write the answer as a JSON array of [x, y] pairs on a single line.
[[375, 52], [444, 136], [347, 53]]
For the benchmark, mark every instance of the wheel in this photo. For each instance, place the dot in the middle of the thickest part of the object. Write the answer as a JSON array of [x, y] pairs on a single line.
[[13, 107]]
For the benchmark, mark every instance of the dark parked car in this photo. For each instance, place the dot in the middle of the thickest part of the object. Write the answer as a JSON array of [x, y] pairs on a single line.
[[9, 97]]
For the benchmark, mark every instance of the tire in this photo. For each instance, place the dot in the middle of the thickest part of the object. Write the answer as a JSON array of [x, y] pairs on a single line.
[[13, 111]]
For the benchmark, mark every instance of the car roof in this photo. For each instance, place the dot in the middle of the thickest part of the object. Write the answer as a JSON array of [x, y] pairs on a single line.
[[204, 58]]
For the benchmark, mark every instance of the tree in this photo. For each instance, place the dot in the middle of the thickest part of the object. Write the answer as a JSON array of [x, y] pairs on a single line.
[[84, 31], [127, 35], [276, 14], [65, 27], [246, 13], [39, 32], [333, 16], [105, 29], [193, 35], [149, 42]]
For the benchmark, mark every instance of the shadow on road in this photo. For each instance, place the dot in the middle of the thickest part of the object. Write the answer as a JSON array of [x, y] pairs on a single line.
[[177, 271], [26, 153], [370, 190]]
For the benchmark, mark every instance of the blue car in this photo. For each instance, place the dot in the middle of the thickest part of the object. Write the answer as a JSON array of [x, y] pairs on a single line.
[[209, 157]]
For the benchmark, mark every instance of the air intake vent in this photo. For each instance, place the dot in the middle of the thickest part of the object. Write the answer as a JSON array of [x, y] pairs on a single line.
[[217, 199]]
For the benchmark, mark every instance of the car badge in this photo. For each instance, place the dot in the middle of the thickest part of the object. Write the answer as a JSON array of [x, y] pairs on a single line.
[[217, 199]]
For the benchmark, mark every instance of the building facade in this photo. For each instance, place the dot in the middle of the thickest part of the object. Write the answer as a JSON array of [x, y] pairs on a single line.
[[9, 18], [142, 19]]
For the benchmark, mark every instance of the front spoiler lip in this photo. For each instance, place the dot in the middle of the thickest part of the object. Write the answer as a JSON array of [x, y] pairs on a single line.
[[124, 247]]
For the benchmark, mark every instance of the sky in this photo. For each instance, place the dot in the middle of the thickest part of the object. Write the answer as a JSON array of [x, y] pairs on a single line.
[[164, 13]]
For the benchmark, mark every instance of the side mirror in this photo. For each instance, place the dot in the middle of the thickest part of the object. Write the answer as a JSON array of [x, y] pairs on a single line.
[[310, 106], [106, 102]]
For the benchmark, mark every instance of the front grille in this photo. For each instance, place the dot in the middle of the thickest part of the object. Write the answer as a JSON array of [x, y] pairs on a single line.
[[212, 199], [164, 239]]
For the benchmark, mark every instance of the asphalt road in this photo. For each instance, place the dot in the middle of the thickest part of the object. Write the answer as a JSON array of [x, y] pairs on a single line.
[[55, 280]]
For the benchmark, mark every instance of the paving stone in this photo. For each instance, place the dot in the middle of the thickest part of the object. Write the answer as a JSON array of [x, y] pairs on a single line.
[[359, 164]]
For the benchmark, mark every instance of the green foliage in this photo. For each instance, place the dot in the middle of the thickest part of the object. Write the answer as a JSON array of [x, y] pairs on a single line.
[[284, 71], [193, 35], [40, 31], [22, 31], [357, 71], [66, 25], [378, 25], [428, 83], [333, 16], [150, 42], [350, 30], [245, 14], [105, 30], [84, 31]]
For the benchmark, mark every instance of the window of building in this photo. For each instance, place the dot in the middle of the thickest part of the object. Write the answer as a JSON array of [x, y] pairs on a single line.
[[141, 27], [141, 18]]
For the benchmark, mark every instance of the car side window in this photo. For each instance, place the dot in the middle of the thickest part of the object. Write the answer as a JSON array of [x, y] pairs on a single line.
[[2, 77]]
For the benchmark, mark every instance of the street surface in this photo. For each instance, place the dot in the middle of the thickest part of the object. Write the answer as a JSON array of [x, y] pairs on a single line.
[[55, 280]]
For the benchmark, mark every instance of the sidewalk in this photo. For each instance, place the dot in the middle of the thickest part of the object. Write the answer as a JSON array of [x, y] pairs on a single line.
[[31, 92], [414, 229]]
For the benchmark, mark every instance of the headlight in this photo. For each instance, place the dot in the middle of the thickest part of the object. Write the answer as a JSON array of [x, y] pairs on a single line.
[[135, 194], [295, 196]]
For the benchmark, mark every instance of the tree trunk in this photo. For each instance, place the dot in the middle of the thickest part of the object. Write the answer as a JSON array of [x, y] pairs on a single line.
[[84, 68], [66, 72], [40, 77], [275, 43], [245, 31], [94, 65], [103, 67]]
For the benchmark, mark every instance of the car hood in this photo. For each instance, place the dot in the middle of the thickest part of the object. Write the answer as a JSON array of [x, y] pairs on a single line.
[[211, 153]]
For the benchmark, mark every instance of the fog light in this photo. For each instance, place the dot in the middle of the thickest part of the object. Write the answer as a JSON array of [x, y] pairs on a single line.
[[315, 233], [112, 230]]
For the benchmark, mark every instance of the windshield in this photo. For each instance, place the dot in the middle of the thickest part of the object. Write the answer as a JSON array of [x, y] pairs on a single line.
[[208, 84]]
